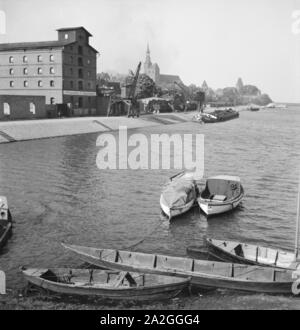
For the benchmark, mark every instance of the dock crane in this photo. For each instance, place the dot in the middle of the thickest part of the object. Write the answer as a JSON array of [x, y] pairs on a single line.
[[130, 98], [131, 94]]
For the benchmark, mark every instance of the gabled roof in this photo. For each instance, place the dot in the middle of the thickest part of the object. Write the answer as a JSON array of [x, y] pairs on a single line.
[[34, 45], [75, 28], [168, 78]]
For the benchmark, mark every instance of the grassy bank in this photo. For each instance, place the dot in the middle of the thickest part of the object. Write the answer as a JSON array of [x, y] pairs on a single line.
[[218, 300]]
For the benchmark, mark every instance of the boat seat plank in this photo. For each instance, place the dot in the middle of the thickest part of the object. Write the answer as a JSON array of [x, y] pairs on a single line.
[[215, 268], [178, 263], [137, 259], [219, 198], [109, 255]]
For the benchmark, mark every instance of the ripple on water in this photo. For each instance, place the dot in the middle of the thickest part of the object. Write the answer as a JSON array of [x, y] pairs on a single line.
[[56, 193]]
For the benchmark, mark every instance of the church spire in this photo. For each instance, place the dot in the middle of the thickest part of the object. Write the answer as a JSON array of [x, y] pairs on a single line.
[[148, 59]]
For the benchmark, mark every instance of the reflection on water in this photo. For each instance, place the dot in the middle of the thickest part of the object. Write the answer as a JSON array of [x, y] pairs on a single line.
[[56, 193]]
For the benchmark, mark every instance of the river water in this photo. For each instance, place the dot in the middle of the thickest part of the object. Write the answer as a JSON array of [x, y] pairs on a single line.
[[57, 194]]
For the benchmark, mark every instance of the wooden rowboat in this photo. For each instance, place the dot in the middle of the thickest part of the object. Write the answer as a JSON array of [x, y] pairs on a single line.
[[5, 222], [106, 284], [222, 193], [179, 195], [250, 254], [203, 273]]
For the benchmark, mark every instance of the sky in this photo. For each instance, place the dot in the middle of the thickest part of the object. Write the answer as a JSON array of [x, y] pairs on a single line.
[[213, 40]]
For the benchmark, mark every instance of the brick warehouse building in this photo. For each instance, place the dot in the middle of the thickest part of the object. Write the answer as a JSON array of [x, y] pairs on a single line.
[[64, 71]]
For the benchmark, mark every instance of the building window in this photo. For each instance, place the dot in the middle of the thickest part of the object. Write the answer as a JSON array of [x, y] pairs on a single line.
[[52, 70], [11, 84], [80, 50], [25, 83], [25, 59], [6, 109], [51, 83], [80, 85], [80, 102], [51, 58], [80, 73], [71, 84], [40, 83], [52, 100], [80, 61], [39, 58], [32, 108], [40, 70], [11, 59], [89, 74], [66, 36], [71, 71], [25, 71], [71, 59], [11, 71], [89, 85]]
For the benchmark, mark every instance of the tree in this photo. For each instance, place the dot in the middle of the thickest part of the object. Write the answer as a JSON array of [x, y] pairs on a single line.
[[145, 87], [103, 78], [250, 90]]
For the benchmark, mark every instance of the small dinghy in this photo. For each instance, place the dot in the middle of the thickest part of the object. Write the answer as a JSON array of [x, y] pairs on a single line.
[[250, 254], [179, 195], [106, 284], [5, 222], [202, 273], [222, 193]]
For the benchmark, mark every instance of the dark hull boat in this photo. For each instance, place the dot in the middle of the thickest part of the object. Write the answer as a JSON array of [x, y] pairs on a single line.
[[106, 284], [203, 274], [219, 116], [5, 222]]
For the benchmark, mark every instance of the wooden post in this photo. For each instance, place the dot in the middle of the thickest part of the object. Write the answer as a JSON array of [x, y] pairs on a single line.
[[297, 226], [2, 282]]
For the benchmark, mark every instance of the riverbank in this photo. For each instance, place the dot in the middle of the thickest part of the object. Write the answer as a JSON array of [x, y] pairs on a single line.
[[13, 131], [217, 300], [22, 130]]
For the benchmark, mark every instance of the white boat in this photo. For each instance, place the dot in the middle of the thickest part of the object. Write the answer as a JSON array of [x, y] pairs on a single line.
[[222, 193], [179, 195]]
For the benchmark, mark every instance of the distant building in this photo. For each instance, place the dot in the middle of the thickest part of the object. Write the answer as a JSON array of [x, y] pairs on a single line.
[[239, 85], [64, 70], [152, 70]]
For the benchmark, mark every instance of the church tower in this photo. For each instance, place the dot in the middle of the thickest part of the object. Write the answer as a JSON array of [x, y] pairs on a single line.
[[151, 70]]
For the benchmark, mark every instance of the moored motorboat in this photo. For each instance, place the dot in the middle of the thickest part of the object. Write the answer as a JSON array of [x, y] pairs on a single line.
[[250, 254], [203, 273], [219, 116], [179, 195], [5, 221], [106, 284], [221, 194]]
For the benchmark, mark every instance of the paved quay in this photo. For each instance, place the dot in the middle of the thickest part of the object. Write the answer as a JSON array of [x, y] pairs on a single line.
[[13, 131]]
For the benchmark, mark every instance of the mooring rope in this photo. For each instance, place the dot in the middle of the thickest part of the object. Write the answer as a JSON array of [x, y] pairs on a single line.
[[145, 237]]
